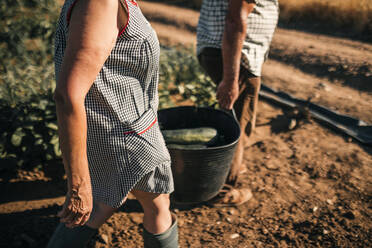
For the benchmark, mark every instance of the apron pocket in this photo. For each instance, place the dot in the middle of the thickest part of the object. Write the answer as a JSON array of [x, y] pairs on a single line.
[[145, 144]]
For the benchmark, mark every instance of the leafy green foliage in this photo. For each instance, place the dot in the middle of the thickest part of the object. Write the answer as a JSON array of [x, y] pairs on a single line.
[[27, 28], [28, 133], [181, 75], [27, 114], [26, 46]]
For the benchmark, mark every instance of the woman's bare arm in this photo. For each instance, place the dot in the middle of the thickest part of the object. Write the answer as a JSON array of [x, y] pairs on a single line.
[[93, 29]]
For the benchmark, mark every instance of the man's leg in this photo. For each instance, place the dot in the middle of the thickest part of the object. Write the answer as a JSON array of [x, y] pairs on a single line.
[[245, 108]]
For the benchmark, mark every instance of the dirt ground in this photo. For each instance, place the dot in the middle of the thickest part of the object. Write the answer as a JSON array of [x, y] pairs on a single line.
[[311, 185]]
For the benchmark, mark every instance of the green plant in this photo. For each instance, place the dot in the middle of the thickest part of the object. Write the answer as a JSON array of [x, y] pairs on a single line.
[[183, 80], [26, 48], [28, 133], [28, 127]]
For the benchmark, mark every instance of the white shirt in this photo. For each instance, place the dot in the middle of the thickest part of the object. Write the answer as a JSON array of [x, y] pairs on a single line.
[[261, 23]]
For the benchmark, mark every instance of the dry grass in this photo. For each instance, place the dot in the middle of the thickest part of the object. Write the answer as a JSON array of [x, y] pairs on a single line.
[[353, 15], [350, 14]]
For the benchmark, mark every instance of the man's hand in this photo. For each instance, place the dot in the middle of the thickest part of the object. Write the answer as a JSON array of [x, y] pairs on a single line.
[[77, 207], [227, 94]]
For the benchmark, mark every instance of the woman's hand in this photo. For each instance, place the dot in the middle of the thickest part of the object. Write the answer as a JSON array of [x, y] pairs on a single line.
[[78, 206], [227, 94]]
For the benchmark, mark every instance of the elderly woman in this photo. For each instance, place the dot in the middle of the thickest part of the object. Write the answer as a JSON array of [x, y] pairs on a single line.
[[107, 57]]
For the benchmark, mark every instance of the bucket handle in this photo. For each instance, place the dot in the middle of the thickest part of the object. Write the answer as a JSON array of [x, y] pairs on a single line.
[[228, 111]]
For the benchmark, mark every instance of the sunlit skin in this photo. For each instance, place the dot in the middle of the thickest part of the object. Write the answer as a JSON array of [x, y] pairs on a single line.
[[232, 44], [92, 34], [93, 31]]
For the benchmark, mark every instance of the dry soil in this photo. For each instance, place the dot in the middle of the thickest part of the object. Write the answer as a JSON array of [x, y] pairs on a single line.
[[311, 186]]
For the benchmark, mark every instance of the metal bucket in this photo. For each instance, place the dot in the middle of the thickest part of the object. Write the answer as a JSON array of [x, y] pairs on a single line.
[[199, 173]]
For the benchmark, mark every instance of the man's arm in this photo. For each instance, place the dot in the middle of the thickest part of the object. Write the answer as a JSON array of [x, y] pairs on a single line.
[[232, 44], [92, 34]]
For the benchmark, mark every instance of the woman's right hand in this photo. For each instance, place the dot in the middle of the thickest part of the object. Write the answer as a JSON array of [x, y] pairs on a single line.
[[78, 206]]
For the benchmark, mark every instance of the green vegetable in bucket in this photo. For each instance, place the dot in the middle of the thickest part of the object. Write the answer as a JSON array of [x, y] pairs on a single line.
[[183, 147], [201, 136]]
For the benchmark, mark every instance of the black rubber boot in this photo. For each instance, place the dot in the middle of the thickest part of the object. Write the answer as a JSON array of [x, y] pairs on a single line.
[[76, 237], [167, 239]]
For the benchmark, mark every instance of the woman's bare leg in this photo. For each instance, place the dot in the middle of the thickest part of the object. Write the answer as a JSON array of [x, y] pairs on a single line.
[[160, 226], [78, 236], [101, 212], [157, 217]]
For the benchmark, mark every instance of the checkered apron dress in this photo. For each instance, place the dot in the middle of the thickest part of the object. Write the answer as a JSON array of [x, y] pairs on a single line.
[[261, 23], [125, 147]]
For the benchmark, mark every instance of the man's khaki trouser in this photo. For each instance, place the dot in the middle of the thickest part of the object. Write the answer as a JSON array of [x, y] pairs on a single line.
[[245, 106]]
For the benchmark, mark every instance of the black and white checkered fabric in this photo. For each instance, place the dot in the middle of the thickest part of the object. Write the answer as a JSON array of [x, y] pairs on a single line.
[[261, 24], [125, 147]]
